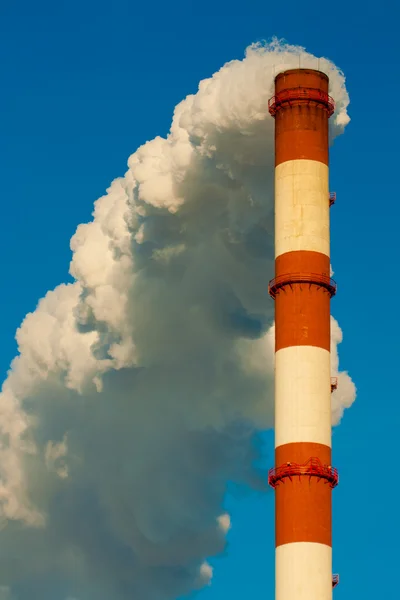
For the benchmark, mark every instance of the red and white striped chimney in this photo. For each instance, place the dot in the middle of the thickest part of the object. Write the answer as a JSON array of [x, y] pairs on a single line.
[[303, 477]]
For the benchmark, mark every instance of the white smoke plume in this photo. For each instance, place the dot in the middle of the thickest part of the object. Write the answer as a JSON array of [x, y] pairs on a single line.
[[139, 390]]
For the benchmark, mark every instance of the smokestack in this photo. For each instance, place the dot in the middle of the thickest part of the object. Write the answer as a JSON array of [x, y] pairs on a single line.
[[303, 477]]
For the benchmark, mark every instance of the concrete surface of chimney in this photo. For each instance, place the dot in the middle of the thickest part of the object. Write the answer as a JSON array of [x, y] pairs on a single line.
[[303, 477]]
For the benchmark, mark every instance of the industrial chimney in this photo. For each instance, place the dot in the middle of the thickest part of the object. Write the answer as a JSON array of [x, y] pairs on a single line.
[[303, 477]]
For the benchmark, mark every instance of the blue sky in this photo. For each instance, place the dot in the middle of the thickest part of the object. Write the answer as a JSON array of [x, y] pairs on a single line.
[[85, 83]]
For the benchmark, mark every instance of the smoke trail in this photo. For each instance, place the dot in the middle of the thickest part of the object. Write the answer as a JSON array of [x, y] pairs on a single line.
[[139, 389]]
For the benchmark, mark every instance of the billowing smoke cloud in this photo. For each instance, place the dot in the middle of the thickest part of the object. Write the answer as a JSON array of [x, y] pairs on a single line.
[[140, 389]]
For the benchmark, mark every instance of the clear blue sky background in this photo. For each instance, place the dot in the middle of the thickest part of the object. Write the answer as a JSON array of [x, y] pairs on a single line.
[[84, 83]]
